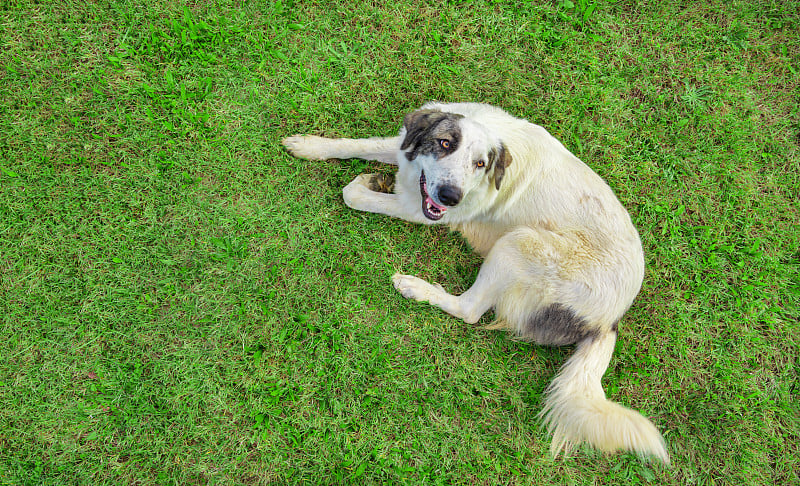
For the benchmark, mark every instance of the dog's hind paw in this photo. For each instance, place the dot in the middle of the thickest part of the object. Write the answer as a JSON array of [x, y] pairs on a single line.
[[412, 287]]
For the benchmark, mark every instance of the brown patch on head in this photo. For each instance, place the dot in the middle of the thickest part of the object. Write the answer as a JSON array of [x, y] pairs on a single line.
[[499, 158], [425, 131]]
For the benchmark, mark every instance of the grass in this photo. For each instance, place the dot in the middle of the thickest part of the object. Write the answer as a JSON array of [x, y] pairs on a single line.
[[183, 303]]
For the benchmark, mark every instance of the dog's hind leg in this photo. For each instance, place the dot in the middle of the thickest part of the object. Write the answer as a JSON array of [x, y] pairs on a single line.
[[496, 276], [313, 147], [520, 276], [469, 306]]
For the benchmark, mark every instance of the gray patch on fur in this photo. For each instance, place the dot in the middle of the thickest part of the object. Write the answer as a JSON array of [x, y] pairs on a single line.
[[424, 129], [557, 325]]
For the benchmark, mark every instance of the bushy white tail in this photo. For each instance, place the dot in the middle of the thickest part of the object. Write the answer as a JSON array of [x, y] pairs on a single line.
[[576, 409]]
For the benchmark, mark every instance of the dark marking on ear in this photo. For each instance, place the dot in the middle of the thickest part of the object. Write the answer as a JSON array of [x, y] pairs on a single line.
[[558, 325], [499, 158], [424, 129], [615, 326]]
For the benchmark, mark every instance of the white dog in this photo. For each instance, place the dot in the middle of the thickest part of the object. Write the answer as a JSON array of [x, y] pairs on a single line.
[[563, 261]]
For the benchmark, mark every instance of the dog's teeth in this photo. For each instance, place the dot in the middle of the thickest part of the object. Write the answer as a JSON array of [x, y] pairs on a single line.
[[433, 209]]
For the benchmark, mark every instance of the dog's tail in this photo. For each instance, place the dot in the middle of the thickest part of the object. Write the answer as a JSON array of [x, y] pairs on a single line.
[[576, 409]]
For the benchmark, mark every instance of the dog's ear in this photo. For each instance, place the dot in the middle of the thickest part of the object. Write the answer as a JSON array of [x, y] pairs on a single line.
[[417, 124], [499, 158]]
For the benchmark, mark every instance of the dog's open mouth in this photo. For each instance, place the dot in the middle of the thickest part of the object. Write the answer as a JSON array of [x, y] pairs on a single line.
[[430, 209]]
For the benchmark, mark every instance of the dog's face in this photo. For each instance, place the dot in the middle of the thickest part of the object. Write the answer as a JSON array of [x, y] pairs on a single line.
[[459, 163]]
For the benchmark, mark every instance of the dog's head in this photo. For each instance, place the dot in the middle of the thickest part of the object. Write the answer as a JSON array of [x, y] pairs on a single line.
[[460, 163]]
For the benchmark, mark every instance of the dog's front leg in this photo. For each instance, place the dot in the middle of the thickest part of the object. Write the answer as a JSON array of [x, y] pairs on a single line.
[[313, 147], [358, 195]]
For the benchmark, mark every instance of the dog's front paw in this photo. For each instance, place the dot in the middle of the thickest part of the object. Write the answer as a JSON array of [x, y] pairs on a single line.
[[309, 147], [412, 287], [358, 193]]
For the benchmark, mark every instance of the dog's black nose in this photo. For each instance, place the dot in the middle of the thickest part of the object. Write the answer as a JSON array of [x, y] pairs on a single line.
[[449, 195]]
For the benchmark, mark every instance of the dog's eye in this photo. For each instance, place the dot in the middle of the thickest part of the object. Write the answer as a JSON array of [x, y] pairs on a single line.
[[480, 164], [444, 143]]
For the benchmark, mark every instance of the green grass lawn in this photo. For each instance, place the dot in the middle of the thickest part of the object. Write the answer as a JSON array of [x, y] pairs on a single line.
[[182, 302]]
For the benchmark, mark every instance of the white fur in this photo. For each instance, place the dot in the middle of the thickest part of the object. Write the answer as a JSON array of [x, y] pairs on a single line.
[[553, 233], [576, 409]]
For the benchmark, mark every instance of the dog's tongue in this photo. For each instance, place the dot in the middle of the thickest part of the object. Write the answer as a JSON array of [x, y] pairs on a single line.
[[430, 201]]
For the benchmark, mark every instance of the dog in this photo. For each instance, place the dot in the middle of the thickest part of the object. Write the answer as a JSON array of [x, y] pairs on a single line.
[[562, 259]]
